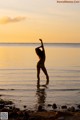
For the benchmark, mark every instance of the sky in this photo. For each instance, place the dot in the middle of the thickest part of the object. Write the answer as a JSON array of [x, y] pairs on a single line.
[[29, 20]]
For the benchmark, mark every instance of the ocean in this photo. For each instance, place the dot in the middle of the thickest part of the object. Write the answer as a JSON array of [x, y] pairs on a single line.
[[18, 75]]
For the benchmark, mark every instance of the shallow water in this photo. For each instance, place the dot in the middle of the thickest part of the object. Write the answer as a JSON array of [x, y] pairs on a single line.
[[18, 81]]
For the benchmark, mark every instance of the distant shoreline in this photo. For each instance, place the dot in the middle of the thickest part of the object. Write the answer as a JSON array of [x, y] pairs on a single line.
[[35, 44]]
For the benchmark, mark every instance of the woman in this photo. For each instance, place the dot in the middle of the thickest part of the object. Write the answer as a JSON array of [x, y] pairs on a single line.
[[40, 64]]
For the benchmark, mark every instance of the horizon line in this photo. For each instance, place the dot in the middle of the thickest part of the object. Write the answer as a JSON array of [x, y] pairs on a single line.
[[39, 42]]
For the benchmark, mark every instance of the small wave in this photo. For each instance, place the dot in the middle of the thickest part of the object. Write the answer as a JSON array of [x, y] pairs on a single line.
[[78, 71], [60, 76], [6, 89], [9, 69], [27, 89], [64, 90], [33, 89]]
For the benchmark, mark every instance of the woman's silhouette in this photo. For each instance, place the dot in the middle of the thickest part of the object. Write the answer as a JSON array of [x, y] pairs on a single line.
[[40, 64]]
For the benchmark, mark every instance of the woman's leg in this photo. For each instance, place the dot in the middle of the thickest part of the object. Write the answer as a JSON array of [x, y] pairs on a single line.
[[45, 72], [38, 74]]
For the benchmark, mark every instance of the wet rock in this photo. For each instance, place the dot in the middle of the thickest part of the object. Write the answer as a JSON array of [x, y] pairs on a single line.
[[1, 106], [54, 106], [61, 118], [5, 102], [16, 109], [9, 107], [64, 107], [78, 106], [20, 113], [13, 114], [26, 115], [40, 108], [1, 101], [4, 110], [24, 106], [49, 105], [72, 109], [8, 102]]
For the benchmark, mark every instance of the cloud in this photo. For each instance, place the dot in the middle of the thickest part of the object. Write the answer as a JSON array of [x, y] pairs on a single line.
[[6, 19]]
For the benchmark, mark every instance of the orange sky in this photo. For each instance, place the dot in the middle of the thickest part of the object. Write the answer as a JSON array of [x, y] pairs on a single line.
[[29, 20]]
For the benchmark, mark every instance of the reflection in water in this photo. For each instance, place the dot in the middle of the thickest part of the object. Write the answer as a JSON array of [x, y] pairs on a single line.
[[41, 95]]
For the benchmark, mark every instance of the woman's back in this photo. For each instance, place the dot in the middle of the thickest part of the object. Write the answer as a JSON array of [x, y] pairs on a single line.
[[40, 53]]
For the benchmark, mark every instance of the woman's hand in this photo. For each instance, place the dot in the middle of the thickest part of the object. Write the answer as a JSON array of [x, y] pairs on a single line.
[[41, 43], [40, 40]]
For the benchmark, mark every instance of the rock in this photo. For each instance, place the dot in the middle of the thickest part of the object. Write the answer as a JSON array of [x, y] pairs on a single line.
[[26, 115], [24, 106], [78, 106], [4, 110], [72, 109], [54, 106], [8, 102], [64, 107], [39, 108], [49, 105], [5, 102], [61, 118], [13, 114], [1, 106], [9, 106], [1, 101], [20, 113]]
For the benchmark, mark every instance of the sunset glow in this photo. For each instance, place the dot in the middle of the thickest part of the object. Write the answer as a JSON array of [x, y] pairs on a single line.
[[29, 20]]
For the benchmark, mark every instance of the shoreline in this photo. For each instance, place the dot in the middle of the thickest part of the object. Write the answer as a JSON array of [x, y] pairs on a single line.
[[64, 113]]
